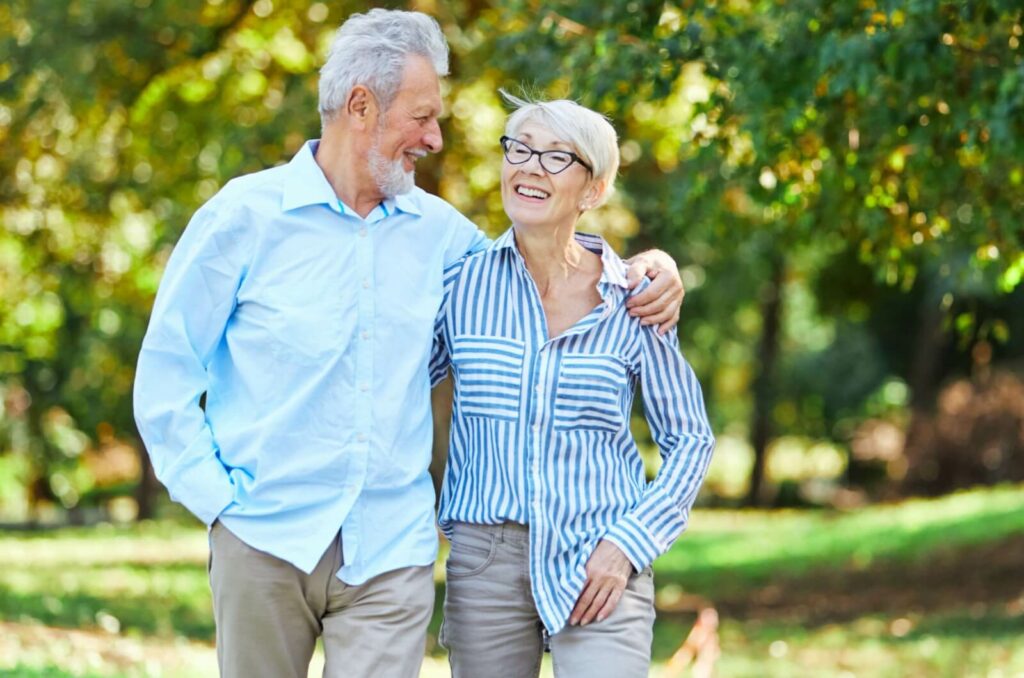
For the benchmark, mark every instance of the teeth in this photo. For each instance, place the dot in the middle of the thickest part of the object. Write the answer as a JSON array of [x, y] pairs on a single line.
[[531, 192]]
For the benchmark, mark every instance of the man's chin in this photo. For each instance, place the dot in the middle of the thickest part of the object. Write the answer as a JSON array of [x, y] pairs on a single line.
[[399, 186]]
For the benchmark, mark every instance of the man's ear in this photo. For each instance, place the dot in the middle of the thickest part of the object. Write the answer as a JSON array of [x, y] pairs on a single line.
[[361, 107]]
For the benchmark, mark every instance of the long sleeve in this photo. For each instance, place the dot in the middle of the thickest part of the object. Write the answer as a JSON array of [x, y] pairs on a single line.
[[196, 298], [440, 358], [674, 406], [464, 239]]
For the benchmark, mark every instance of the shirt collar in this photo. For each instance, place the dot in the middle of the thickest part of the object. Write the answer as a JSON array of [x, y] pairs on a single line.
[[613, 268], [406, 202], [305, 184]]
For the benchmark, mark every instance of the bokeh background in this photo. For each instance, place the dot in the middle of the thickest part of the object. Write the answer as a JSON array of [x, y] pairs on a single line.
[[842, 185]]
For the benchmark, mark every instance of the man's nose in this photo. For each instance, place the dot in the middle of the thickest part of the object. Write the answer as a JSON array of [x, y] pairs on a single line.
[[432, 139]]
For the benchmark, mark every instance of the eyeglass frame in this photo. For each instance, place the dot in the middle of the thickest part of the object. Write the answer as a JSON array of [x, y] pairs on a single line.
[[540, 156]]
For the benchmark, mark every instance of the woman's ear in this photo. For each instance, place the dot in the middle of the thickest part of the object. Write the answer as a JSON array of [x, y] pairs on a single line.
[[592, 195]]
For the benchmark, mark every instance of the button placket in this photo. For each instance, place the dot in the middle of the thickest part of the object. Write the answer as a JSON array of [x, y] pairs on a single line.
[[364, 349], [536, 431]]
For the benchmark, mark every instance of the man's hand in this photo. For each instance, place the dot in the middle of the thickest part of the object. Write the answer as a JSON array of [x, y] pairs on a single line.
[[659, 303], [608, 572]]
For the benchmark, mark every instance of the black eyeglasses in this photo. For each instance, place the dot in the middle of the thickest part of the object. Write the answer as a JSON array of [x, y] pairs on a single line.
[[553, 162]]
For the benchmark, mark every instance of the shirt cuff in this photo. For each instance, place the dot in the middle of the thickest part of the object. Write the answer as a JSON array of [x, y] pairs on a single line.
[[202, 485], [635, 541]]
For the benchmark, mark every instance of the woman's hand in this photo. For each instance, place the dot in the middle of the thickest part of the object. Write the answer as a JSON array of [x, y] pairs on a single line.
[[608, 572], [659, 304]]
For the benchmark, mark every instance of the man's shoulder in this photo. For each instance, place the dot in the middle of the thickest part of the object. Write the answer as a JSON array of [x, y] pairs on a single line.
[[266, 184], [243, 201], [433, 205]]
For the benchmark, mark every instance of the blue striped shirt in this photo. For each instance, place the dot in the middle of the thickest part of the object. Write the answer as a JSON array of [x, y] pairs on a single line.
[[540, 427]]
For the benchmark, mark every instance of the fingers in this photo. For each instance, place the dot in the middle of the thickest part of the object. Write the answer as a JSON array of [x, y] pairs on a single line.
[[636, 272], [656, 306], [609, 605], [666, 327], [597, 604], [660, 285], [598, 600], [586, 598]]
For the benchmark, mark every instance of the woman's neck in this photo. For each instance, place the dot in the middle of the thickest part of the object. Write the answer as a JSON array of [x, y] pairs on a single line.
[[552, 256]]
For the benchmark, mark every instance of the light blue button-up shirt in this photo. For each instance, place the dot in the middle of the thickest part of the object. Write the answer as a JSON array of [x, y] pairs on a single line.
[[540, 428], [309, 330]]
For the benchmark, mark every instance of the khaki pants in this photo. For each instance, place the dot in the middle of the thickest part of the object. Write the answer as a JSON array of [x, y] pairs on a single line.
[[491, 627], [269, 614]]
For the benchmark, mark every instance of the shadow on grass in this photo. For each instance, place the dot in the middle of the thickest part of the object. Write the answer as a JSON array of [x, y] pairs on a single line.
[[147, 615]]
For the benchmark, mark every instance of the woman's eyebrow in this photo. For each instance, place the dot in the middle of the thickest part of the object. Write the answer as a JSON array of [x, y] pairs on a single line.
[[526, 136]]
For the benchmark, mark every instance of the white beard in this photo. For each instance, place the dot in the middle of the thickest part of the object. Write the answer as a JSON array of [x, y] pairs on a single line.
[[390, 175]]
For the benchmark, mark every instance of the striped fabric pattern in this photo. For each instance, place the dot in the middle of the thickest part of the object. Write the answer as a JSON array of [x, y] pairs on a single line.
[[540, 427]]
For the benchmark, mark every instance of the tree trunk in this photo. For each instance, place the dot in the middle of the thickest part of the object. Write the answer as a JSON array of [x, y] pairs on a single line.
[[148, 487], [923, 380], [767, 355]]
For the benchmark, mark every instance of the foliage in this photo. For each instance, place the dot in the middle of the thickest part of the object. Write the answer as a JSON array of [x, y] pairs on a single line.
[[769, 144], [868, 154], [118, 120]]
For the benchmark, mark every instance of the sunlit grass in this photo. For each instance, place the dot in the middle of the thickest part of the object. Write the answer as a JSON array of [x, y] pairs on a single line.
[[134, 601], [742, 548]]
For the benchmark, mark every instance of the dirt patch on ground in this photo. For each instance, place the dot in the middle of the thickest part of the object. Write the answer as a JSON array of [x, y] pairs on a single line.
[[976, 579]]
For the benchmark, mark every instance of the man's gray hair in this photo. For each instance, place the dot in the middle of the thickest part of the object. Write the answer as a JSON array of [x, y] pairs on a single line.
[[590, 134], [371, 50]]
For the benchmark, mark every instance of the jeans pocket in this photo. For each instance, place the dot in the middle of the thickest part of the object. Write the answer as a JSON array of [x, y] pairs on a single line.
[[472, 551]]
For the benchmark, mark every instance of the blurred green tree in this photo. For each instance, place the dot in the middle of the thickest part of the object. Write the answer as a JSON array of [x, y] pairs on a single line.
[[770, 147], [788, 133]]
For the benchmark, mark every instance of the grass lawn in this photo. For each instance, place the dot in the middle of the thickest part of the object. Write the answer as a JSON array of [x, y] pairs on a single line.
[[921, 588]]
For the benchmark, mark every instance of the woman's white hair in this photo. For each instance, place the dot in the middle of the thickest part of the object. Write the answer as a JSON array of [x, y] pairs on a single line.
[[590, 134], [371, 49]]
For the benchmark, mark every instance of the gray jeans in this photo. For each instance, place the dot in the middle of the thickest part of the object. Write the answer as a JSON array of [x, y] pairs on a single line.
[[490, 620], [269, 614]]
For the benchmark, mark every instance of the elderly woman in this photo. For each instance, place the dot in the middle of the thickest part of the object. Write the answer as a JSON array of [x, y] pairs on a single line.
[[553, 527]]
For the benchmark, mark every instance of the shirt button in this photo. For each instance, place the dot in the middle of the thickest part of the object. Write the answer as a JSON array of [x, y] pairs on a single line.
[[366, 283], [362, 437], [362, 232], [364, 334], [539, 389], [536, 427], [364, 387]]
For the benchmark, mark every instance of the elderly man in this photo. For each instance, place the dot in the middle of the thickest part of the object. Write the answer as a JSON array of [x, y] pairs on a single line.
[[300, 301]]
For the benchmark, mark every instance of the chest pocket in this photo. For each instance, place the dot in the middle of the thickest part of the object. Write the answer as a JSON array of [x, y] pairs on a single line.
[[489, 376], [590, 391]]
